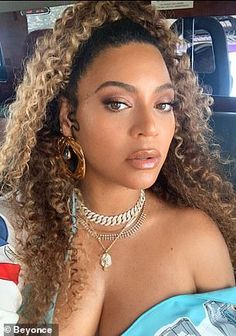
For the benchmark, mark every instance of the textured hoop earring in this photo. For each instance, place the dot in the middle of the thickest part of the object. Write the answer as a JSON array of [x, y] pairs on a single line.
[[71, 157]]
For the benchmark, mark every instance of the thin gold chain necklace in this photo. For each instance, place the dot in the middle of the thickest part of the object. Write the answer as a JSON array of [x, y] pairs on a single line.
[[106, 259]]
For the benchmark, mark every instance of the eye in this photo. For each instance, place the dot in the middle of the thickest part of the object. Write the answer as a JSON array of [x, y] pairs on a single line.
[[166, 107], [115, 105]]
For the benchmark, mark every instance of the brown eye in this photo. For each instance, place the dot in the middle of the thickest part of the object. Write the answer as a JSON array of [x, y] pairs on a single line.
[[115, 105], [165, 107]]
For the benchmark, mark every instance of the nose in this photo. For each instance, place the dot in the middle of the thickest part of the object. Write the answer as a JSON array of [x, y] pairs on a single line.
[[145, 123]]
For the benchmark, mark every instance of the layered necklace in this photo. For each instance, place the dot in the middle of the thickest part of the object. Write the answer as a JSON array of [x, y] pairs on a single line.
[[131, 219]]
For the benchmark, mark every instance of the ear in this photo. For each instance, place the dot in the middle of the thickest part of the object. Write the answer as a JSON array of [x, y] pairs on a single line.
[[65, 122]]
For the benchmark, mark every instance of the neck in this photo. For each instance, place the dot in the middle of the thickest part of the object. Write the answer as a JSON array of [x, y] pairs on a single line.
[[108, 200]]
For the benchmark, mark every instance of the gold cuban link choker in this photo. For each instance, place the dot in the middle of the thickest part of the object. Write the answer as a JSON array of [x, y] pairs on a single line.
[[117, 219], [112, 236], [129, 229]]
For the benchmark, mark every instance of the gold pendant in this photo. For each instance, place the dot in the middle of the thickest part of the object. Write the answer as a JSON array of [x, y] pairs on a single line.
[[106, 261]]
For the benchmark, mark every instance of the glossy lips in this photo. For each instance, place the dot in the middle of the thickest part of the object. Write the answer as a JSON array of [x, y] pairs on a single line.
[[145, 159]]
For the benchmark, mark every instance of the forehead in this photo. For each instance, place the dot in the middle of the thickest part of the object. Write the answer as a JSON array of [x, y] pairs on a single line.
[[132, 63]]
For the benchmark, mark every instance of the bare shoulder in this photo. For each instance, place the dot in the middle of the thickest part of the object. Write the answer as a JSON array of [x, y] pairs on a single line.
[[205, 249]]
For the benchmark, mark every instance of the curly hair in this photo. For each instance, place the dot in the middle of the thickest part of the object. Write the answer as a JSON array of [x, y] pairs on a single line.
[[29, 167]]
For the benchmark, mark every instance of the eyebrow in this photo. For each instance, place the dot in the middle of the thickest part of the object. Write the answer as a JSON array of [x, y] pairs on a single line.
[[131, 88]]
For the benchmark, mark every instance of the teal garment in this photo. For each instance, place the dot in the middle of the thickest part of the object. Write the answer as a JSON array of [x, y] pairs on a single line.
[[48, 318], [203, 314]]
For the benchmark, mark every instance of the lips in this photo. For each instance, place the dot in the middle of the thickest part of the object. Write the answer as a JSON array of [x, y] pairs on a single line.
[[144, 159], [144, 154]]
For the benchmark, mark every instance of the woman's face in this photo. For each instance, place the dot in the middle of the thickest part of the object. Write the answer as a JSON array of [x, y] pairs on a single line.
[[125, 116]]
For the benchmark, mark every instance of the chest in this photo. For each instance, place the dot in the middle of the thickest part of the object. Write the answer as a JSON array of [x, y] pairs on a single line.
[[143, 274]]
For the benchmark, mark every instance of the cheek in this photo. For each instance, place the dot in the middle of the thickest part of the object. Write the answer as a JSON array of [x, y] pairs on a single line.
[[166, 135], [168, 130], [97, 129], [172, 129], [99, 141]]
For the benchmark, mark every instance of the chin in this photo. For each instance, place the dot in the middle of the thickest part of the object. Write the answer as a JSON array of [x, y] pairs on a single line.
[[143, 182]]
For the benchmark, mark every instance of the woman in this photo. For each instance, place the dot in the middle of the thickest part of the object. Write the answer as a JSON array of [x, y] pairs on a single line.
[[119, 201]]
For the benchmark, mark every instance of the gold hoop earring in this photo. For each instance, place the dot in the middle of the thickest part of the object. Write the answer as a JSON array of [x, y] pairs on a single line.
[[71, 157]]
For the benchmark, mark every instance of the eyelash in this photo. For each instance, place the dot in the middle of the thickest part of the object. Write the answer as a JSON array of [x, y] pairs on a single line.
[[109, 102], [172, 105]]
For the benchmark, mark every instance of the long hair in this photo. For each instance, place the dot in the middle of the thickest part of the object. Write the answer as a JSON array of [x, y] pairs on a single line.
[[31, 176]]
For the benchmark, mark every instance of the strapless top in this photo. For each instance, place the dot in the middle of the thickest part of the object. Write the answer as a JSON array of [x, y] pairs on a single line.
[[203, 314]]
